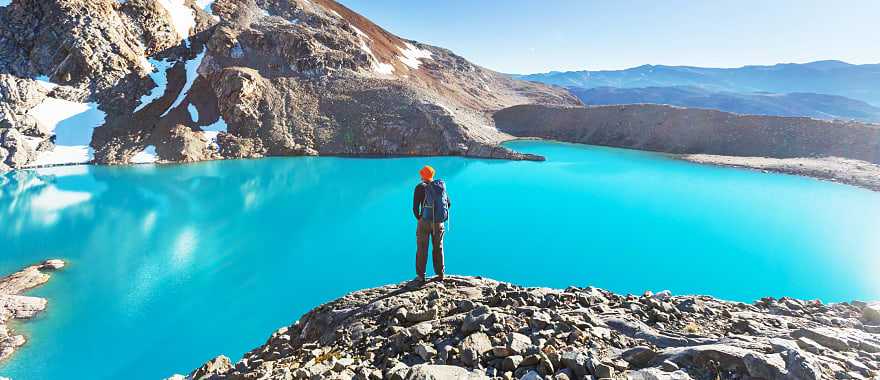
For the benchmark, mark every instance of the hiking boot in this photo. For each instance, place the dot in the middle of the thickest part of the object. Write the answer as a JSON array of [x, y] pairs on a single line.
[[418, 281], [439, 278]]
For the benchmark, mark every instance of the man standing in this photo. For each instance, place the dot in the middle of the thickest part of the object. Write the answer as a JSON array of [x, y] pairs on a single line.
[[431, 208]]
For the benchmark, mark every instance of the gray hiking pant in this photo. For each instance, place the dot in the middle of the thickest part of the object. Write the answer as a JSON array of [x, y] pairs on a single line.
[[434, 232]]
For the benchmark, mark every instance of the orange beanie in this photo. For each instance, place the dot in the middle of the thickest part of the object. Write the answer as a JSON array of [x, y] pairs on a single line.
[[427, 173]]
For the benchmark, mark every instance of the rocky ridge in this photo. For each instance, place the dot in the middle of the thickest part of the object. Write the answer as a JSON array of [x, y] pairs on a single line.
[[13, 305], [184, 80], [475, 328], [847, 152]]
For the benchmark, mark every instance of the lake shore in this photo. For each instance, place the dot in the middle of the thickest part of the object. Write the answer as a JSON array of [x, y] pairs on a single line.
[[841, 170], [13, 305], [840, 151], [476, 328]]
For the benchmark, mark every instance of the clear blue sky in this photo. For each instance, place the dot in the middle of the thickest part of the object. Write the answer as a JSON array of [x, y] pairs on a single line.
[[525, 36]]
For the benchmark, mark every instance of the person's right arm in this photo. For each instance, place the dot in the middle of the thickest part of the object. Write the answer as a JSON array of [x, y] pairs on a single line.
[[418, 198]]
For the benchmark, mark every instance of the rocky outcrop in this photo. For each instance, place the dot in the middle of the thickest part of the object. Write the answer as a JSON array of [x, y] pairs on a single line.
[[13, 305], [249, 78], [835, 169], [479, 328], [842, 151]]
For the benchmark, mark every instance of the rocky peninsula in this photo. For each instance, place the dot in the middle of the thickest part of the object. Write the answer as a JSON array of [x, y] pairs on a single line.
[[476, 328], [841, 151], [13, 305]]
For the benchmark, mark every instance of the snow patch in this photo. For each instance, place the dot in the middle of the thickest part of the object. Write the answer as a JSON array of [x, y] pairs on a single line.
[[146, 65], [378, 66], [335, 14], [64, 155], [73, 124], [159, 75], [206, 5], [148, 156], [182, 17], [211, 131], [193, 112], [44, 82], [383, 68], [358, 31], [412, 55], [33, 142], [192, 73]]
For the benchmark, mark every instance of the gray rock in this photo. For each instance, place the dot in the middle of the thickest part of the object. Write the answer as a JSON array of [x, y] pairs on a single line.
[[781, 345], [638, 356], [421, 330], [476, 319], [656, 374], [809, 345], [531, 375], [341, 364], [576, 362], [511, 363], [422, 316], [564, 374], [442, 372], [801, 367], [17, 150], [603, 371], [426, 352], [823, 337], [765, 366], [668, 366], [214, 367], [871, 313], [518, 343], [473, 347]]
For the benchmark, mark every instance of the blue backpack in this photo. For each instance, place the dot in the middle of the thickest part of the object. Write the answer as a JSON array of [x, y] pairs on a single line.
[[435, 207]]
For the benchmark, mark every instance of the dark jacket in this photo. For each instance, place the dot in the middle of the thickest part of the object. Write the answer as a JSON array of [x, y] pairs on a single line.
[[419, 198]]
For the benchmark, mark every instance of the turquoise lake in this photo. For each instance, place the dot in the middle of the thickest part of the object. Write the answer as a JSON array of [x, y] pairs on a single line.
[[170, 266]]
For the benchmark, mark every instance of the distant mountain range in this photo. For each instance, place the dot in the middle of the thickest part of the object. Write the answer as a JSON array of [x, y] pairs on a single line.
[[819, 106], [824, 89]]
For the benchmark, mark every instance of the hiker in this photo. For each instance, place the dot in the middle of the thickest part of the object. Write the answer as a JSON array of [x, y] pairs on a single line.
[[431, 208]]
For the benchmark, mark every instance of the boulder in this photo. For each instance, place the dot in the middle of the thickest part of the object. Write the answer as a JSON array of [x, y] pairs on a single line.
[[576, 362], [518, 343], [473, 347], [213, 367], [18, 152], [442, 372], [802, 367], [656, 374], [871, 313], [824, 337], [511, 363], [638, 356]]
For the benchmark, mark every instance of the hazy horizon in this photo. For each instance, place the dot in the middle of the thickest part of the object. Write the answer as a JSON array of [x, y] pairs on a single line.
[[524, 37]]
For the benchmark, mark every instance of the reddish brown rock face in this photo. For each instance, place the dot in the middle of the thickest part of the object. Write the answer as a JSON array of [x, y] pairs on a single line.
[[286, 78]]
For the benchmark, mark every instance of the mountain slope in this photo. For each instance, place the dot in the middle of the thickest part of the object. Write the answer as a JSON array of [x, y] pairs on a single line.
[[861, 82], [179, 80], [817, 106]]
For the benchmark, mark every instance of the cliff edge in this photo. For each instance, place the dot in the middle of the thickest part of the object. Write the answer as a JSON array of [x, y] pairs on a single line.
[[475, 328]]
